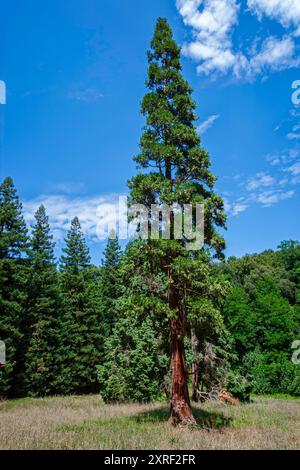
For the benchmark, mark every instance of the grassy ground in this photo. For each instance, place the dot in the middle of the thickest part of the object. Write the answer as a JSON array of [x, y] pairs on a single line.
[[86, 423]]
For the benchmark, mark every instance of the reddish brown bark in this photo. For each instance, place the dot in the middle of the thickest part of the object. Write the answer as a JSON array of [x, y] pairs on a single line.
[[181, 411], [195, 367]]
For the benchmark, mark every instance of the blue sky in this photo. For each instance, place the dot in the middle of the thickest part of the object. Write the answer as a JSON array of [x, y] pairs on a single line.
[[75, 73]]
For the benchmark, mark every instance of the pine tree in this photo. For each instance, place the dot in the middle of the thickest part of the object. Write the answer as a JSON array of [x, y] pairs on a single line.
[[81, 328], [44, 308], [76, 256], [164, 272], [13, 249], [110, 283], [112, 253]]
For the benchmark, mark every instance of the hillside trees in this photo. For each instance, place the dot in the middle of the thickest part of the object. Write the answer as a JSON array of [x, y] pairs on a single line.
[[262, 315]]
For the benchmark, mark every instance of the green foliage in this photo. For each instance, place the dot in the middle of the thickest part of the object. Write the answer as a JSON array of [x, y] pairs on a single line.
[[76, 254], [261, 312], [110, 284], [81, 330], [13, 272], [134, 365], [44, 312], [163, 280], [177, 166], [272, 372], [239, 386]]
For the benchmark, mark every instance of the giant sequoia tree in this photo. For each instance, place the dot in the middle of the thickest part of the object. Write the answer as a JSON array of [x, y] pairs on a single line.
[[167, 281]]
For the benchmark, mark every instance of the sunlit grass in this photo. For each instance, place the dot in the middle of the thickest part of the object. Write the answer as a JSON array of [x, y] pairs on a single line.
[[87, 423]]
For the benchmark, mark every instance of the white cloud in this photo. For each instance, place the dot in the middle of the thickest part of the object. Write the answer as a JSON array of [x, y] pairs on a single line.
[[207, 124], [212, 28], [213, 23], [283, 157], [61, 209], [294, 135], [275, 54], [295, 180], [286, 12], [294, 169], [260, 180], [268, 198], [238, 208], [234, 208]]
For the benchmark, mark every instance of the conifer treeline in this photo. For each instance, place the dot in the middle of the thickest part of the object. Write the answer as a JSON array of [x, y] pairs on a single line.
[[72, 328], [53, 321]]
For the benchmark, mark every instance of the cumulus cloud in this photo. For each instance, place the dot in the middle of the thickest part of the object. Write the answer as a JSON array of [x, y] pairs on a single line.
[[212, 26], [275, 54], [92, 212], [207, 124], [213, 23], [286, 12]]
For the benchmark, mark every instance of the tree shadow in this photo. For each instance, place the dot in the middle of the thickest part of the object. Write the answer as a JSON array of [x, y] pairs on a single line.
[[205, 419]]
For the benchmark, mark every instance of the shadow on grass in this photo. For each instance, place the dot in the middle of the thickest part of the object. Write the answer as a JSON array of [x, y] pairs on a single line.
[[205, 419]]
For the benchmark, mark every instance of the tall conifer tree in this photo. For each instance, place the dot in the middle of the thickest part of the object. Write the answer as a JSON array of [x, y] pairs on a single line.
[[81, 327], [13, 250], [110, 283], [172, 279], [44, 308]]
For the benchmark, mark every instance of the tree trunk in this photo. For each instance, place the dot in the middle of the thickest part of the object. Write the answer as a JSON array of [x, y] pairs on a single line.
[[195, 366], [181, 411]]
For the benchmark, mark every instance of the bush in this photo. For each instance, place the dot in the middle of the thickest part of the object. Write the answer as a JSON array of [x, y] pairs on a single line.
[[133, 368], [238, 386], [272, 372]]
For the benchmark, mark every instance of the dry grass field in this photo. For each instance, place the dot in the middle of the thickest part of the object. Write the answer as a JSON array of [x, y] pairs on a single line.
[[87, 423]]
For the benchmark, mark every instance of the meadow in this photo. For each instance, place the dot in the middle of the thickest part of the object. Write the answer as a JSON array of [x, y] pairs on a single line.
[[85, 422]]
